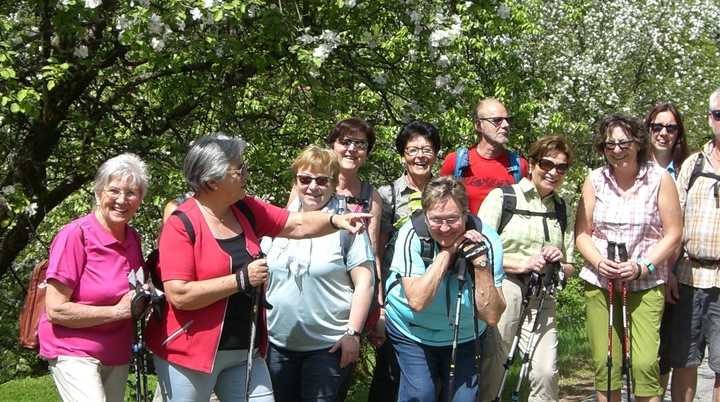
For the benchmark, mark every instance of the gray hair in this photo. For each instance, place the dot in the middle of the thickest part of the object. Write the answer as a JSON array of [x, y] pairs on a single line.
[[715, 99], [443, 186], [126, 167], [209, 159]]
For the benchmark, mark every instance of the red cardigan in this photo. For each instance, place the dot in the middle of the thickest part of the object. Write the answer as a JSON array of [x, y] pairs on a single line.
[[190, 338]]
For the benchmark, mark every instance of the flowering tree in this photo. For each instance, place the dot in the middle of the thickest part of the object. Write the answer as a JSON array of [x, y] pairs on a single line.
[[85, 80]]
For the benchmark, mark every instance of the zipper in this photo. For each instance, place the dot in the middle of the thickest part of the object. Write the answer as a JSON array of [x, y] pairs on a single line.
[[178, 332]]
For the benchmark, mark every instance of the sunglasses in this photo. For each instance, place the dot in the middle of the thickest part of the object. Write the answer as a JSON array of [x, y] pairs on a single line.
[[715, 114], [548, 165], [497, 121], [670, 128], [610, 145], [321, 181], [347, 141]]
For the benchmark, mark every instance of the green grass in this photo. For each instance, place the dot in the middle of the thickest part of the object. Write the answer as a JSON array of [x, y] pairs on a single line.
[[34, 389]]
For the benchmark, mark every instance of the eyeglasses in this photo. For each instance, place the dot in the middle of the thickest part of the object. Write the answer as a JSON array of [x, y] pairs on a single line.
[[114, 194], [321, 181], [413, 151], [497, 121], [346, 141], [670, 128], [548, 165], [715, 114], [610, 145], [437, 222], [242, 168]]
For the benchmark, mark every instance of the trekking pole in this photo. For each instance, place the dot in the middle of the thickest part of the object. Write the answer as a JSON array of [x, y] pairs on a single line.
[[478, 344], [529, 349], [529, 292], [251, 345], [611, 256], [462, 268], [254, 309], [136, 361], [626, 364]]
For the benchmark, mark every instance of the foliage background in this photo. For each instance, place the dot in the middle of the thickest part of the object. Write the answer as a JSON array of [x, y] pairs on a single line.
[[84, 80]]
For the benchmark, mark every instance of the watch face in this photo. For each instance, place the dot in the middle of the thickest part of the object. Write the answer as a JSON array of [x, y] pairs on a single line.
[[352, 332]]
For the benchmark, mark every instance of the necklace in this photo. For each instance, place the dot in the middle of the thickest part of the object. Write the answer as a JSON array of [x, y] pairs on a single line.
[[211, 213]]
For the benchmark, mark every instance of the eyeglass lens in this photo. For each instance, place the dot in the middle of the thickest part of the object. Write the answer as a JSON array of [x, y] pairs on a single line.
[[497, 121], [346, 141], [319, 180], [548, 165], [610, 145], [715, 114], [412, 151], [670, 128]]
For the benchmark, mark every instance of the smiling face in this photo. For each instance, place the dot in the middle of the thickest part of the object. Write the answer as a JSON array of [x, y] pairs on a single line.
[[117, 203], [624, 153], [350, 156], [422, 163], [314, 188], [663, 141], [547, 181], [445, 220]]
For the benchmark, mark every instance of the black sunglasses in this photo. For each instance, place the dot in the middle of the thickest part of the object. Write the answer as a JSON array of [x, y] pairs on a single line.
[[321, 181], [346, 141], [715, 114], [657, 127], [548, 165], [497, 121]]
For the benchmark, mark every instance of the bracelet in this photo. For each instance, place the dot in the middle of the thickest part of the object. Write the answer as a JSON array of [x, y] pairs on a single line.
[[334, 226], [647, 263], [639, 272]]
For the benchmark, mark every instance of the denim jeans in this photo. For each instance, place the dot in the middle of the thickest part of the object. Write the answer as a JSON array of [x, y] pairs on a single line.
[[227, 379], [422, 367], [308, 376]]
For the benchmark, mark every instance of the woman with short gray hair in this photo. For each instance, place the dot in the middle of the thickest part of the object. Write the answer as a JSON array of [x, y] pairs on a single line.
[[88, 301], [210, 264]]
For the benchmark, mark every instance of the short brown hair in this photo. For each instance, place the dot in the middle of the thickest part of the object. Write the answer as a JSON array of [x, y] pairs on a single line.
[[548, 144], [349, 126], [314, 158], [632, 127]]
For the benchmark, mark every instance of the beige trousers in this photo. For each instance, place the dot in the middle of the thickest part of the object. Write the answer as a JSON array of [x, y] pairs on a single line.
[[543, 371]]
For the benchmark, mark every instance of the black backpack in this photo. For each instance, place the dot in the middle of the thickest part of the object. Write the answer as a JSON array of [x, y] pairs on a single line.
[[509, 209]]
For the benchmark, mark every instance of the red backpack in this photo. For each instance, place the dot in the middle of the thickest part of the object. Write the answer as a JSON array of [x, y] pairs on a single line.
[[33, 307]]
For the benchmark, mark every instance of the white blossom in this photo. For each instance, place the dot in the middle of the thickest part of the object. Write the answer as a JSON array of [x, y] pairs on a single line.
[[504, 12], [81, 51], [195, 13], [93, 3], [7, 190], [156, 24], [219, 52], [31, 209], [443, 61], [350, 3], [157, 44], [208, 3]]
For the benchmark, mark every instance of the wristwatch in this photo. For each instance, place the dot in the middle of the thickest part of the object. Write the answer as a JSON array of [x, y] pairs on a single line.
[[483, 263], [352, 332]]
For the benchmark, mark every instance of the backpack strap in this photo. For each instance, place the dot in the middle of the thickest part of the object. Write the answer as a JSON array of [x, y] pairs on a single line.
[[697, 172], [509, 208], [364, 201], [462, 161], [247, 212], [427, 244], [188, 225], [346, 241], [515, 167]]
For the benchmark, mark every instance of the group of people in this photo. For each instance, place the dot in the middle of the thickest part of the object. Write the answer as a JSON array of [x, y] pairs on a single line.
[[435, 270]]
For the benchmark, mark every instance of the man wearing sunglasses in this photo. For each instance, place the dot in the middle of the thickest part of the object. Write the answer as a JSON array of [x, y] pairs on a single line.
[[697, 311], [490, 165]]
